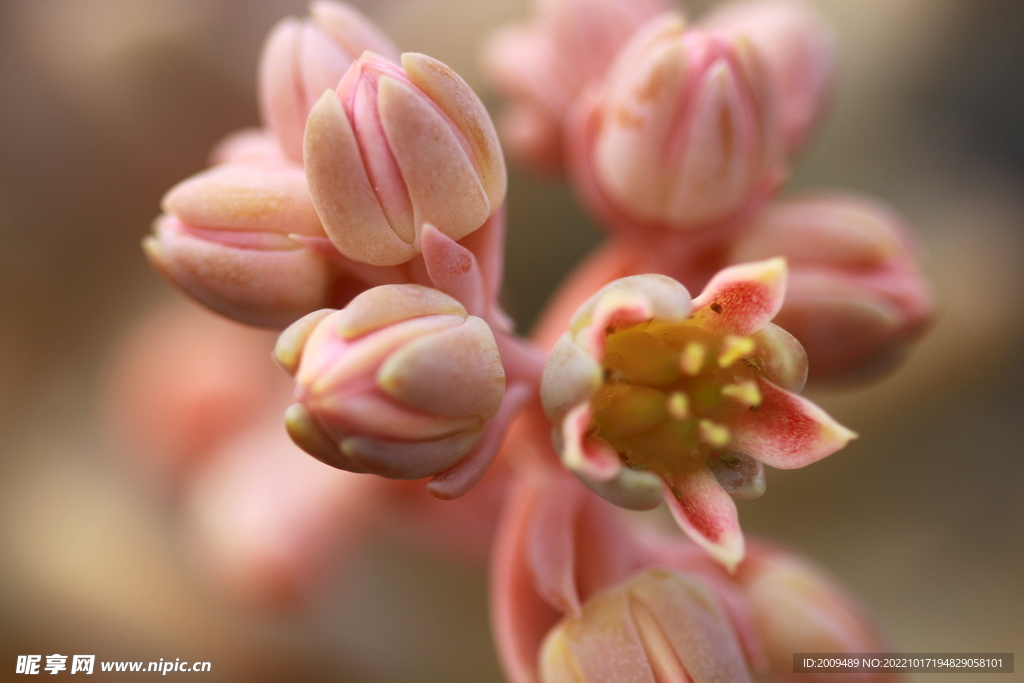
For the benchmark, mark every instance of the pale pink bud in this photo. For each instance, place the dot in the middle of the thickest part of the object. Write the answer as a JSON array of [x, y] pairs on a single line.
[[304, 57], [856, 299], [231, 239], [399, 383], [658, 626], [796, 607], [799, 50], [397, 148], [683, 134], [543, 66]]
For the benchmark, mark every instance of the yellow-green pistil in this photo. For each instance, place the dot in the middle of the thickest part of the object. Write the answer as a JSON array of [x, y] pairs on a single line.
[[670, 392]]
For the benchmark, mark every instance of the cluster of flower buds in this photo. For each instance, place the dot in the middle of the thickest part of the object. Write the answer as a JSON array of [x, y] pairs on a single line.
[[364, 149], [367, 219]]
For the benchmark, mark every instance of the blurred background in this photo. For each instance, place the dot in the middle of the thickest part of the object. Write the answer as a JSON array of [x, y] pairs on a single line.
[[107, 103]]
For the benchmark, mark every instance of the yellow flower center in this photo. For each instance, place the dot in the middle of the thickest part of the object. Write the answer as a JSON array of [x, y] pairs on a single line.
[[670, 392]]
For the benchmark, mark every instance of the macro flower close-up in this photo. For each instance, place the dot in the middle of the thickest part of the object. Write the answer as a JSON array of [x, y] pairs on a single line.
[[650, 389], [536, 341]]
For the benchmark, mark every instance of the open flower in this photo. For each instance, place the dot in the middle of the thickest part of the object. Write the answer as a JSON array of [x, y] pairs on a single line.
[[399, 383], [652, 392]]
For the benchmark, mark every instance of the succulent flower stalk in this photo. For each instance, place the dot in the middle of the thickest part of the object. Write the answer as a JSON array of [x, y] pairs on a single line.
[[399, 383], [650, 392], [396, 148]]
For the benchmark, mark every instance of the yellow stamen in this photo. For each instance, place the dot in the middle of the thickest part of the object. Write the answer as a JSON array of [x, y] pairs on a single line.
[[714, 435], [735, 348], [745, 392], [678, 405], [692, 359]]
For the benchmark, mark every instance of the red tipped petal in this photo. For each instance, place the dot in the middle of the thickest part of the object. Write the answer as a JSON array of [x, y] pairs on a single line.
[[742, 299], [707, 514], [787, 431]]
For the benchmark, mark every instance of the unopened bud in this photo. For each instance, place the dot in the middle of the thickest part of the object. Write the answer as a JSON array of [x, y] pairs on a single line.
[[226, 240], [797, 608], [656, 626], [399, 383], [684, 133], [304, 57], [396, 148], [856, 300], [798, 49]]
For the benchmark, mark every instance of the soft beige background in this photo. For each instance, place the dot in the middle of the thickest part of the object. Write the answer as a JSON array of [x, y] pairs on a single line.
[[104, 104]]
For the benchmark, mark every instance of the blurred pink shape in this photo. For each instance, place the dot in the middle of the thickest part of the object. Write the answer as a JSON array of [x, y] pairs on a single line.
[[182, 382], [798, 48], [856, 299], [544, 64], [304, 57]]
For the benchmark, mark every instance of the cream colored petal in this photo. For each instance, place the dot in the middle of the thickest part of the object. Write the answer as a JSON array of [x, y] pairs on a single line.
[[453, 373], [266, 288], [780, 357], [570, 377], [341, 190], [388, 304], [410, 460], [351, 30], [288, 350], [442, 182], [280, 107], [246, 197], [447, 89]]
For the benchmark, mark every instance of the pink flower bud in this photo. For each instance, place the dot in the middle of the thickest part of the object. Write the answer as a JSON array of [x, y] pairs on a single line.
[[543, 66], [400, 383], [856, 299], [656, 626], [798, 608], [231, 239], [683, 134], [304, 57], [799, 50], [652, 393], [397, 148]]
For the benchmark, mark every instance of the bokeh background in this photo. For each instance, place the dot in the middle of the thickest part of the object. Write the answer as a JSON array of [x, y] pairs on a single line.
[[104, 104]]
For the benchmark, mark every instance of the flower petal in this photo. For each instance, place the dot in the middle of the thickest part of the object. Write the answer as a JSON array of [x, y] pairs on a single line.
[[742, 299], [707, 514], [787, 431], [590, 459], [570, 377], [783, 357]]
